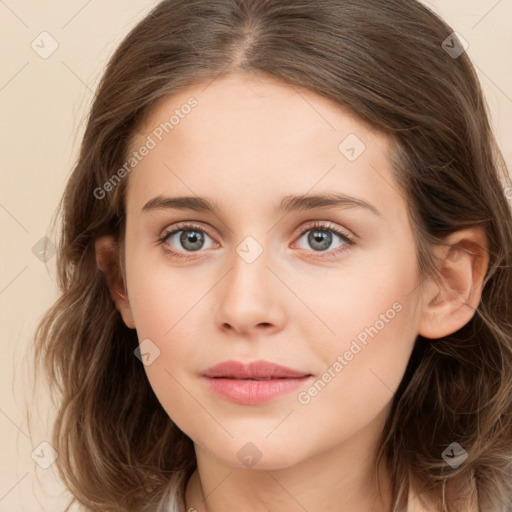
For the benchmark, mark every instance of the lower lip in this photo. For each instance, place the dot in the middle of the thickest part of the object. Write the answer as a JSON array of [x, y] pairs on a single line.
[[253, 392]]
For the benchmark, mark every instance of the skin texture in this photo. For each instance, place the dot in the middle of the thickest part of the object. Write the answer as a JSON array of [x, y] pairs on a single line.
[[248, 143]]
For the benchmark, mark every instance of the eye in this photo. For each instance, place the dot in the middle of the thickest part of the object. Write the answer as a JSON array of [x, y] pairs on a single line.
[[184, 239], [320, 237], [187, 237]]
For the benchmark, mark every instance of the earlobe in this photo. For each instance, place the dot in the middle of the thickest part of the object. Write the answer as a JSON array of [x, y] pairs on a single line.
[[108, 261], [450, 301]]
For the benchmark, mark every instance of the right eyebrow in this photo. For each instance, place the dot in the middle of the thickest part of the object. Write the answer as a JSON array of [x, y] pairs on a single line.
[[197, 204]]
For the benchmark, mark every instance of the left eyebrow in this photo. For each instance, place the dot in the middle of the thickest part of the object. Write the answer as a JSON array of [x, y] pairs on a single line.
[[309, 202], [288, 203]]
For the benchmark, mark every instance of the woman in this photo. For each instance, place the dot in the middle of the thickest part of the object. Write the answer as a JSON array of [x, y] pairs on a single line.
[[209, 355]]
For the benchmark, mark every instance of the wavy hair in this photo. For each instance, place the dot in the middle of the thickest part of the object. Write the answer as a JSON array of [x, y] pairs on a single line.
[[386, 63]]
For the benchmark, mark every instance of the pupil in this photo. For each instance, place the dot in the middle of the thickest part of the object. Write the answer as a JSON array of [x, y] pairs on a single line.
[[320, 240], [191, 240]]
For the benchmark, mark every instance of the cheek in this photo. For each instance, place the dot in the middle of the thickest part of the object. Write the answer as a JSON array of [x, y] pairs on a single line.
[[364, 300], [173, 318], [368, 335], [162, 298], [168, 307], [165, 315], [362, 371]]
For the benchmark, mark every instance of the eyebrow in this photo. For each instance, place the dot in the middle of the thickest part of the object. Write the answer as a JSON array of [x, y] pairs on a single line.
[[288, 203]]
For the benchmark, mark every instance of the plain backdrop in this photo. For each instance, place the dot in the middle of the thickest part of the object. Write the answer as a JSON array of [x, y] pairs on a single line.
[[44, 103]]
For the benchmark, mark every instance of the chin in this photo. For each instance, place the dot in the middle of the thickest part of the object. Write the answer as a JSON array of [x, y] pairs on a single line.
[[259, 454]]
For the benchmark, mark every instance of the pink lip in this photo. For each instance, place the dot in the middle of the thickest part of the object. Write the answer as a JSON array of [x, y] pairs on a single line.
[[253, 383]]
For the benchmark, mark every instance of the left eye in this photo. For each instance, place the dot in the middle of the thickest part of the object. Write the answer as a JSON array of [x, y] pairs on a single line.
[[320, 238]]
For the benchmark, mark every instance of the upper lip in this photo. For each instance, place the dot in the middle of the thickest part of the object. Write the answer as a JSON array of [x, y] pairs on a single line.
[[253, 370]]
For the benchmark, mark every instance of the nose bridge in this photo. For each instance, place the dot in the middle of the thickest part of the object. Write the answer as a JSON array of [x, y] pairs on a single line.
[[248, 279], [248, 296]]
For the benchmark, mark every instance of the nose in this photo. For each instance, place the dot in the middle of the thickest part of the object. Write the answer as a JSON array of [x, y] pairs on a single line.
[[249, 299]]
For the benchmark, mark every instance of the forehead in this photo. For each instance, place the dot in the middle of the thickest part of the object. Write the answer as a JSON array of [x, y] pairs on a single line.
[[258, 103], [256, 136]]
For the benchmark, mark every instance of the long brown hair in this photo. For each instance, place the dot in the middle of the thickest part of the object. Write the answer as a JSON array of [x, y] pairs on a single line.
[[388, 63]]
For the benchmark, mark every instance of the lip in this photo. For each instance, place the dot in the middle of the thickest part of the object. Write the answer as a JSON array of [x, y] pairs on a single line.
[[260, 370], [253, 383]]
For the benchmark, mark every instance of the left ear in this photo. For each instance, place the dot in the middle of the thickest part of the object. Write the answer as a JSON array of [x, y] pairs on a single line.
[[450, 302]]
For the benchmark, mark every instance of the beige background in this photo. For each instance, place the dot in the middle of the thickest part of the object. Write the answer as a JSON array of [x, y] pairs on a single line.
[[43, 104]]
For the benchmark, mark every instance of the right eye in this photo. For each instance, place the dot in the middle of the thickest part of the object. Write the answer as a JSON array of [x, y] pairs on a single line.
[[190, 237]]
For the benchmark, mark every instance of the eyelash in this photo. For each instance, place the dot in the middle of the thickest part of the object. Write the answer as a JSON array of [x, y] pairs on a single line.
[[318, 226]]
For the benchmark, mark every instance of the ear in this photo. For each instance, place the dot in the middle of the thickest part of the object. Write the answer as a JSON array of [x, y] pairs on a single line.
[[450, 302], [109, 262]]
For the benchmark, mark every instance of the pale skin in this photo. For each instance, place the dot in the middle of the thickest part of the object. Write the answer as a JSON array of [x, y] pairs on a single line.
[[248, 143]]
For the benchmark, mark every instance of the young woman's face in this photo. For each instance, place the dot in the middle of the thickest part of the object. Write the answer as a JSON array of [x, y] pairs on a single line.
[[327, 289]]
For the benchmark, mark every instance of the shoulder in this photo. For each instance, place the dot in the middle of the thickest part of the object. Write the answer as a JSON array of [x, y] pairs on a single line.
[[173, 499], [463, 496]]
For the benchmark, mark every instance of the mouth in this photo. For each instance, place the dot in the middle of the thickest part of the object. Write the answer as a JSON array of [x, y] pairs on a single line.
[[253, 383]]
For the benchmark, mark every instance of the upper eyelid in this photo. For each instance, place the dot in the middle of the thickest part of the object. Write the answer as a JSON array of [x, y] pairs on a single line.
[[185, 226]]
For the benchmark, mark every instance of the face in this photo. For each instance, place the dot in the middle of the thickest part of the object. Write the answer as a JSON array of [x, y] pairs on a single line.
[[325, 286]]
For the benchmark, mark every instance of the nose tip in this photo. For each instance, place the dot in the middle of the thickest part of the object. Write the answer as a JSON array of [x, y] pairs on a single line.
[[247, 299]]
